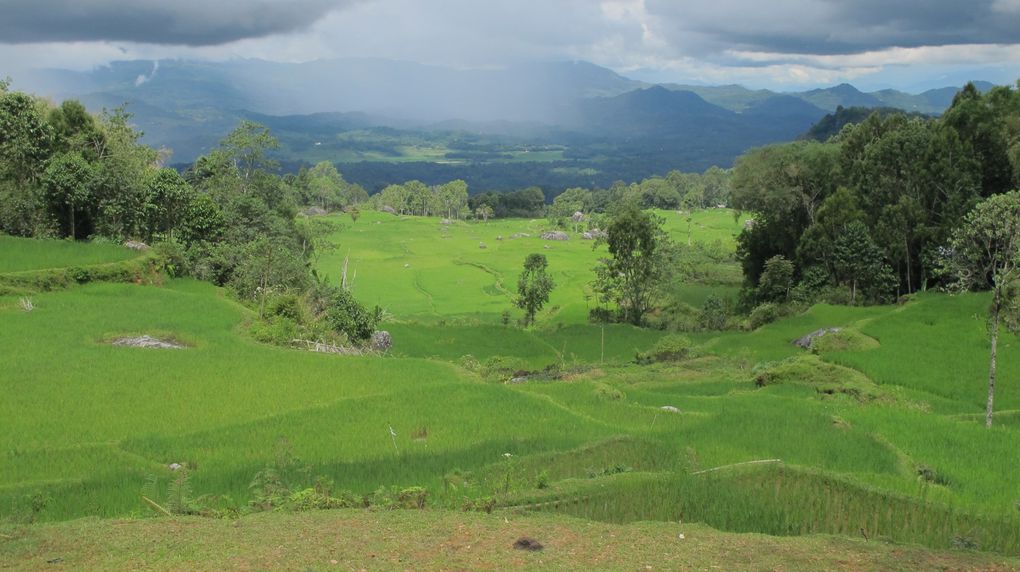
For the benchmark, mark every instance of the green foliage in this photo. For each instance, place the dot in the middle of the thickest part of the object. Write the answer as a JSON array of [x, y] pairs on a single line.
[[764, 314], [636, 264], [672, 347], [344, 314], [776, 281], [713, 314], [533, 286]]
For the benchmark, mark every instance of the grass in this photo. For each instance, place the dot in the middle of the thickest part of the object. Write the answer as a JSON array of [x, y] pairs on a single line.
[[21, 254], [420, 270], [433, 540], [879, 430]]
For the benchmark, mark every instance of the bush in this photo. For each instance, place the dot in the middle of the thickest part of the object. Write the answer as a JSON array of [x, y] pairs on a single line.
[[713, 314], [79, 274], [764, 314], [673, 347], [172, 258]]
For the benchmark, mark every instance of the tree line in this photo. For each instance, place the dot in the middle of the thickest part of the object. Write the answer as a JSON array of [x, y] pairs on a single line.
[[868, 214]]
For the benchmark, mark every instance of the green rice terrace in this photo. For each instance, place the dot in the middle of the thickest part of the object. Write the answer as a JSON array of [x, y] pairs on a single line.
[[868, 448]]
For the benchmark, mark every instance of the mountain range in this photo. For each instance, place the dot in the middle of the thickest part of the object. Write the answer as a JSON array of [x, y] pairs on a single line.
[[572, 122]]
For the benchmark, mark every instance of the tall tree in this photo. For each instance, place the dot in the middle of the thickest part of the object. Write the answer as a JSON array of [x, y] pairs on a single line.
[[533, 286], [69, 183], [633, 271], [985, 253], [857, 259]]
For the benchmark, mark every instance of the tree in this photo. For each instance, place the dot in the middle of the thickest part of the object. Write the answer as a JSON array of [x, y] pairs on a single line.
[[776, 281], [533, 286], [857, 258], [451, 196], [354, 212], [419, 196], [326, 185], [985, 253], [635, 267], [395, 197], [484, 211], [69, 183], [248, 146], [169, 198]]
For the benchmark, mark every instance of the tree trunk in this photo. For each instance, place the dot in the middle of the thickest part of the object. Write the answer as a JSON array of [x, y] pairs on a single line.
[[994, 355], [906, 245]]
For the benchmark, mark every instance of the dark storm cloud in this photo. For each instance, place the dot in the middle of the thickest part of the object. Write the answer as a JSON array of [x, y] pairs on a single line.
[[168, 22], [830, 27]]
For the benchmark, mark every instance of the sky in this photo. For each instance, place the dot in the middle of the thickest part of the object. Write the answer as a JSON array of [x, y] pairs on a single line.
[[784, 45]]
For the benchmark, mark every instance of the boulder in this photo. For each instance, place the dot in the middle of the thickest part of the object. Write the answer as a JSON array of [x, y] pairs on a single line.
[[136, 245], [669, 409], [578, 216], [388, 209], [555, 235], [519, 235], [446, 221], [806, 341], [381, 341], [315, 211]]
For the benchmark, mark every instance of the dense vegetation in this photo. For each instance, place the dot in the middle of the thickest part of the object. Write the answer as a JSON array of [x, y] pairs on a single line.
[[871, 208]]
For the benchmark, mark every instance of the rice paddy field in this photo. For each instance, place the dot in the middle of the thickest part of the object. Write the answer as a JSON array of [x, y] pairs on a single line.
[[880, 438]]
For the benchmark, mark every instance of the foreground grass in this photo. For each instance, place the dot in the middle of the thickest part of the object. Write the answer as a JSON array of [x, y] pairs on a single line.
[[432, 540]]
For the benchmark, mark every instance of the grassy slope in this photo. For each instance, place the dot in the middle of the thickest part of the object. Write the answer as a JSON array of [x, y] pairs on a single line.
[[85, 422], [20, 254], [433, 540]]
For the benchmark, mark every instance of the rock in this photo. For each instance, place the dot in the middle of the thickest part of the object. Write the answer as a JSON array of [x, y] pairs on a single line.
[[525, 543], [314, 211], [519, 379], [519, 235], [136, 245], [147, 342], [749, 224], [175, 466], [546, 246], [381, 341], [578, 216], [499, 237], [670, 409], [806, 341], [482, 245], [446, 221], [388, 209], [555, 235], [407, 265]]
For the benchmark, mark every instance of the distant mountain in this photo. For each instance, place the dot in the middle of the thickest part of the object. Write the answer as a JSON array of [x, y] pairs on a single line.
[[738, 98], [571, 122]]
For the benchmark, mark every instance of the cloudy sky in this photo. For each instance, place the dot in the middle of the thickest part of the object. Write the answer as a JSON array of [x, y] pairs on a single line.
[[779, 44]]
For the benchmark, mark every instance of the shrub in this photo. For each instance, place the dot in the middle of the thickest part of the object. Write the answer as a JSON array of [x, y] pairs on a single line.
[[764, 314], [713, 314], [171, 258], [79, 274], [673, 347], [346, 315]]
